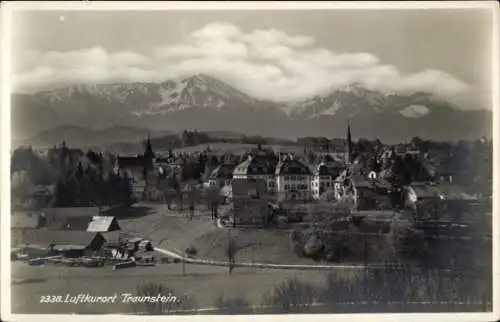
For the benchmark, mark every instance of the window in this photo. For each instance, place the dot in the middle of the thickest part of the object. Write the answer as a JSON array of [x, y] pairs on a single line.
[[287, 187]]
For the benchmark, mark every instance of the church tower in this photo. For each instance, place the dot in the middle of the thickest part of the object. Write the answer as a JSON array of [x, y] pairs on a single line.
[[149, 154], [348, 156]]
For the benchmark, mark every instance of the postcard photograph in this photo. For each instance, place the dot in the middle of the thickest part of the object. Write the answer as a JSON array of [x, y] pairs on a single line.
[[250, 161]]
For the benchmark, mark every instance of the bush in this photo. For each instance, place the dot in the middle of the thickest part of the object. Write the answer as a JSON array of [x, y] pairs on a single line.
[[291, 296], [313, 247], [298, 239], [235, 305], [178, 303], [406, 285]]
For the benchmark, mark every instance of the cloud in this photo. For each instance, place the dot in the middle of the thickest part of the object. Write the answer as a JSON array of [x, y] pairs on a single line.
[[265, 63]]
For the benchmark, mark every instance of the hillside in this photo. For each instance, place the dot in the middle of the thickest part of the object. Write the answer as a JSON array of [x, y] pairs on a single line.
[[81, 137]]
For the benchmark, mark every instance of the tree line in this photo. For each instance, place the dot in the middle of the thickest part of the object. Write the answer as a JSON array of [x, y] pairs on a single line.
[[88, 187]]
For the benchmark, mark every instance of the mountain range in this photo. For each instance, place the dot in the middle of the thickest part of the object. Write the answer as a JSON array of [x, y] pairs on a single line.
[[204, 103]]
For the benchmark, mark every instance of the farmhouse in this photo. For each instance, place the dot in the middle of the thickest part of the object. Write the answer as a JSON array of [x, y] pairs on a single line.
[[92, 243], [69, 218]]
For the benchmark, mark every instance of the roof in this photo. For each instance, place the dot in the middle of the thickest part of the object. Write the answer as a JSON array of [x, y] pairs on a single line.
[[378, 183], [362, 181], [130, 161], [23, 219], [69, 247], [375, 213], [45, 237], [95, 158], [72, 211], [41, 190], [332, 170], [103, 224], [426, 191], [223, 171], [454, 192], [257, 165], [292, 167]]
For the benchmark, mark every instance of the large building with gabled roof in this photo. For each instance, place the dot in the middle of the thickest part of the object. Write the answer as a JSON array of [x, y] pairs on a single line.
[[293, 180]]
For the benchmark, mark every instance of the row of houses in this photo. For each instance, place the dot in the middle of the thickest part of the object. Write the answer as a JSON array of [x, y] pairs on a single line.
[[288, 178]]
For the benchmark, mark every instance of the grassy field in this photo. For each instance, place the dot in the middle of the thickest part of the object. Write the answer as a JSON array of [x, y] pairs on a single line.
[[168, 228], [204, 283], [171, 230]]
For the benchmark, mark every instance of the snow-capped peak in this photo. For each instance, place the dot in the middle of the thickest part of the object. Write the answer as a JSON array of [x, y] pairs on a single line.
[[414, 111]]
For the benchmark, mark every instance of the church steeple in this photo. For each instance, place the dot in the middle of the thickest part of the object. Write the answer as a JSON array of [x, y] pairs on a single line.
[[349, 144], [149, 148], [148, 155]]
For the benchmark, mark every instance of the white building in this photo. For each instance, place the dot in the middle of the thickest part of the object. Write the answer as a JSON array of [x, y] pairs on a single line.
[[293, 180], [324, 178], [258, 167]]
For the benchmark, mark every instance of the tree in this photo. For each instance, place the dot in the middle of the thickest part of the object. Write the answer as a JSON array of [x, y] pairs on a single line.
[[214, 198], [20, 185], [62, 194], [126, 188]]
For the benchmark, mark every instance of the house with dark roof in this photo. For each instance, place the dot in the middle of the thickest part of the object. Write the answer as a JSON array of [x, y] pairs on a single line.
[[222, 175], [65, 242], [69, 218], [366, 189], [251, 202], [103, 224], [324, 178], [432, 199], [258, 167], [293, 180]]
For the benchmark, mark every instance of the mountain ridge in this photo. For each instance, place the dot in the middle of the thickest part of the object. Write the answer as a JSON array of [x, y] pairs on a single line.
[[205, 103]]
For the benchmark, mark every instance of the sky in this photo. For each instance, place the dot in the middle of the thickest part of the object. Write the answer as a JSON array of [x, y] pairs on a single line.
[[283, 55]]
